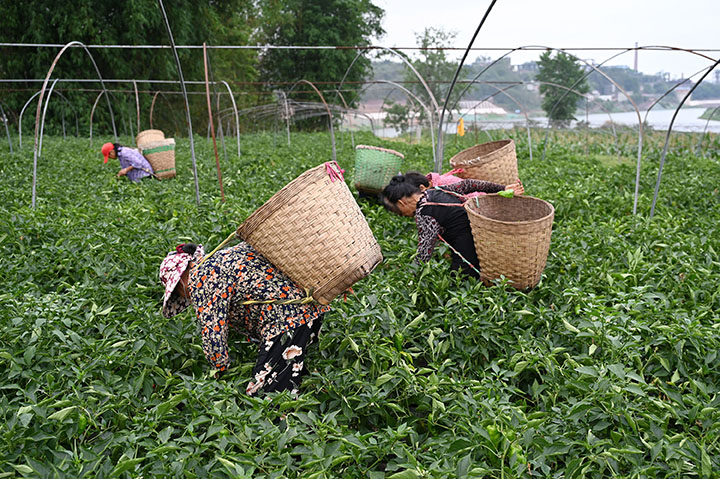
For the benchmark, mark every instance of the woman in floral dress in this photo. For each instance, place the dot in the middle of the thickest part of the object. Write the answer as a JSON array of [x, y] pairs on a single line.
[[217, 289]]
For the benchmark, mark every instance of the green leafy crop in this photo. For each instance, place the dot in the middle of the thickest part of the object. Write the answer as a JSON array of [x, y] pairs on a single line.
[[609, 367]]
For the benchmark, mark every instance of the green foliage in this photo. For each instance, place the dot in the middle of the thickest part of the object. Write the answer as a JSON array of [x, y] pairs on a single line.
[[557, 72], [398, 116], [433, 66], [131, 23], [609, 368], [711, 114]]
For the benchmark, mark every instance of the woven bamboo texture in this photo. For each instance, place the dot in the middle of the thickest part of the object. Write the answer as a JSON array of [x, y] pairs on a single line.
[[314, 232], [512, 237], [374, 167], [161, 156], [148, 136], [494, 161]]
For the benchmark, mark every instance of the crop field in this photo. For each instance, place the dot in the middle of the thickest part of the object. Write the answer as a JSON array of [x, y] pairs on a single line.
[[610, 367]]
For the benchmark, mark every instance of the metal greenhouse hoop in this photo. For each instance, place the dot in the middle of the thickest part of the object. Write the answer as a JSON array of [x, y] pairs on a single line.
[[667, 137], [38, 127], [330, 118], [5, 120]]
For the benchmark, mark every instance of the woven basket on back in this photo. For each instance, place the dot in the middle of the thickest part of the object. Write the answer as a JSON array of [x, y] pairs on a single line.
[[374, 167], [494, 161], [512, 237], [161, 156], [148, 136], [314, 232]]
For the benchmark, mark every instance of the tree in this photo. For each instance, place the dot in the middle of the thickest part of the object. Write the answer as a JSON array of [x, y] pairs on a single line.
[[132, 23], [398, 116], [318, 23], [562, 69], [433, 66]]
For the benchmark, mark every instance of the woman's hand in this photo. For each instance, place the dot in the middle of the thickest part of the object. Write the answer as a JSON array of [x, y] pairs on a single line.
[[125, 171], [517, 188]]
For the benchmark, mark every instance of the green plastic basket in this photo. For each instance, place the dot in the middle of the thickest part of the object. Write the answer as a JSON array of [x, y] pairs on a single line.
[[374, 167]]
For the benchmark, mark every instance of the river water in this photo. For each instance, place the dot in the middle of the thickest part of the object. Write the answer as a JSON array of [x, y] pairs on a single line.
[[688, 119]]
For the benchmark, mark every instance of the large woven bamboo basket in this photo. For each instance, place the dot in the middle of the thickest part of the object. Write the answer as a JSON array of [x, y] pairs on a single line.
[[161, 156], [494, 161], [148, 136], [314, 232], [512, 237], [374, 167]]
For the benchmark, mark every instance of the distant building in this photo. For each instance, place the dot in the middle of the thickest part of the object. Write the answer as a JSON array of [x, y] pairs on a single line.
[[480, 108], [530, 67]]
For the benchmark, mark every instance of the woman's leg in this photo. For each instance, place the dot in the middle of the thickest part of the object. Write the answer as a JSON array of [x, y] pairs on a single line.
[[280, 363]]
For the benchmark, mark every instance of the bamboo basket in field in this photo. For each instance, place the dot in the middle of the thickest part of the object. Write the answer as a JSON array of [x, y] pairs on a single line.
[[374, 167], [511, 236], [148, 136], [314, 232], [494, 161], [161, 156]]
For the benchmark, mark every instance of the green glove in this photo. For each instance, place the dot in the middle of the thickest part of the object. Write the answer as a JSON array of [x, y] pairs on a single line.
[[506, 193]]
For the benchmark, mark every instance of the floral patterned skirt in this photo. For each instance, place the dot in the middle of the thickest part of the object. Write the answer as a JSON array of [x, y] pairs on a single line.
[[280, 364]]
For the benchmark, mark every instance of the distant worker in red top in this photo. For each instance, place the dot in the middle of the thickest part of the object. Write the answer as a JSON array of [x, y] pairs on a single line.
[[132, 163]]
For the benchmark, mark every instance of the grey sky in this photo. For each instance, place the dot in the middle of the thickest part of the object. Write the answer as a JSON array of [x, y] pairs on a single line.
[[565, 24]]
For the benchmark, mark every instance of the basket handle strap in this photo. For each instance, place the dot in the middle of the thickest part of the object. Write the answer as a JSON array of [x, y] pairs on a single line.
[[308, 298], [451, 192], [332, 172], [460, 255], [430, 203], [220, 246]]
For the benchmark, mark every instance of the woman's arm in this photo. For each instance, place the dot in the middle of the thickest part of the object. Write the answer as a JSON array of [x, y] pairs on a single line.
[[212, 318], [428, 231], [136, 160], [125, 171], [470, 186]]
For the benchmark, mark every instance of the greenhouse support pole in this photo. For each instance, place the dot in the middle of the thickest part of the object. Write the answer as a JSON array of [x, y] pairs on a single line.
[[185, 97], [5, 120], [439, 157], [212, 124], [667, 137]]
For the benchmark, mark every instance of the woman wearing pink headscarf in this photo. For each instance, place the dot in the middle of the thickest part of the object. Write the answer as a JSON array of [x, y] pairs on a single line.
[[220, 289]]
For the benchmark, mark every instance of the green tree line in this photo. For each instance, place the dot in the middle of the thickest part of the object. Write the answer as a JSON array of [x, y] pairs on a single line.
[[140, 22]]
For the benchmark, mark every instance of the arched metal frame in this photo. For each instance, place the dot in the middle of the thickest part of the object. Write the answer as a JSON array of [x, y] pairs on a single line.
[[522, 108], [42, 123], [237, 117], [330, 118], [137, 105], [704, 133], [152, 109], [657, 100], [77, 131], [5, 120], [185, 97], [570, 90], [92, 113], [212, 124], [414, 97], [667, 137], [342, 98], [38, 127], [439, 157], [412, 68], [591, 66], [637, 110]]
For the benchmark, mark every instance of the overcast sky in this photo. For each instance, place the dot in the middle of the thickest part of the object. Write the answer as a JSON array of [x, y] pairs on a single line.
[[567, 24]]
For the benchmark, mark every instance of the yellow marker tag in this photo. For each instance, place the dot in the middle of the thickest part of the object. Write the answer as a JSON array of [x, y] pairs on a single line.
[[461, 127]]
